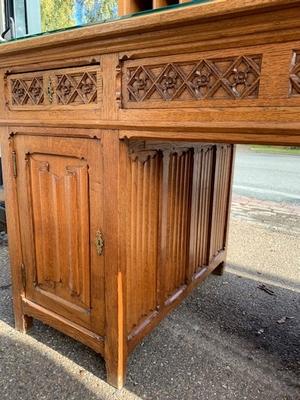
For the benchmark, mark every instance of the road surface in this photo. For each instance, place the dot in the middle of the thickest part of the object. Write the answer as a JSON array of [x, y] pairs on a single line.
[[223, 343], [273, 177]]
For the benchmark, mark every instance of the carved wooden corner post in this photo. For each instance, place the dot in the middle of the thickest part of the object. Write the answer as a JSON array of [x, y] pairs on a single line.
[[115, 340], [22, 322]]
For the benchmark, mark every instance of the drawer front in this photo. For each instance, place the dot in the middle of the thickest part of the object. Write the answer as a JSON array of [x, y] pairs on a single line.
[[193, 80], [67, 88]]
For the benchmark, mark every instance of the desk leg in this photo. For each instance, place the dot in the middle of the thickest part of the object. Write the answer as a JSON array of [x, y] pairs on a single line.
[[22, 322], [115, 337]]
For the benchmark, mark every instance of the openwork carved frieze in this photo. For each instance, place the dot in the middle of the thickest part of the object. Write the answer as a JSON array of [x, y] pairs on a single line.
[[222, 78], [79, 88], [66, 87], [27, 91], [295, 75]]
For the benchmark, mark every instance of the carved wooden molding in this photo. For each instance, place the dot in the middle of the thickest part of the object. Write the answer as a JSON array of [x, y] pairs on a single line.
[[295, 75], [142, 155], [142, 151], [219, 78]]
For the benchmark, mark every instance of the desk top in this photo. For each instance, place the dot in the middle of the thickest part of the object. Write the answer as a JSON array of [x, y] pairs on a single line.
[[179, 15]]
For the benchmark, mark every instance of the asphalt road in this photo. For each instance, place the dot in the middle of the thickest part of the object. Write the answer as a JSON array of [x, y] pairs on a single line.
[[273, 177], [224, 342]]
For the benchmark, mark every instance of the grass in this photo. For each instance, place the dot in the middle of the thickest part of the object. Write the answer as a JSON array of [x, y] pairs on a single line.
[[275, 149]]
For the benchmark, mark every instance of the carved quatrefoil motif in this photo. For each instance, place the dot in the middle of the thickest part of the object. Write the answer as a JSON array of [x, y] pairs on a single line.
[[242, 77], [36, 91], [224, 78], [202, 79], [139, 83], [169, 82]]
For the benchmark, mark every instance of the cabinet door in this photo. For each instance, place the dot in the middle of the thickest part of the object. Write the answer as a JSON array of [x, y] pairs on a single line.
[[60, 210]]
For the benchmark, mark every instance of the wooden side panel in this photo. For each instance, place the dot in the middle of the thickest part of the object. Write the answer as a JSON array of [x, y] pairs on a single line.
[[174, 223], [179, 186], [202, 195], [221, 197], [142, 223]]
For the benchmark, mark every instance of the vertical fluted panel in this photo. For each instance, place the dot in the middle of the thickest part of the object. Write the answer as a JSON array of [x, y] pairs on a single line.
[[142, 230], [221, 195], [179, 200], [202, 195], [176, 212]]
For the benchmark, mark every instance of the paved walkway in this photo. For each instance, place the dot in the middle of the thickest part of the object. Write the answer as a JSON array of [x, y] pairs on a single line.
[[264, 242]]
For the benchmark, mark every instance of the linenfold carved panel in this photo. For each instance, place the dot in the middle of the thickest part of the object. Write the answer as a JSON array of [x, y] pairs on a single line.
[[204, 79], [60, 204], [143, 181], [175, 218], [221, 189], [201, 206], [295, 75], [178, 202]]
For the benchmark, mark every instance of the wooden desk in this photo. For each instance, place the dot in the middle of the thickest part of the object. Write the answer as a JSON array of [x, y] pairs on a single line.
[[118, 148]]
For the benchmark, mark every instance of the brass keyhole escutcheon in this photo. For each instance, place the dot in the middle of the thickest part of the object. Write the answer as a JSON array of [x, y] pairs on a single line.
[[99, 243]]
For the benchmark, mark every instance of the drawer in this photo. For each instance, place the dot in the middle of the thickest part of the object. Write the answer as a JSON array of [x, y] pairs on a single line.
[[66, 88], [193, 80]]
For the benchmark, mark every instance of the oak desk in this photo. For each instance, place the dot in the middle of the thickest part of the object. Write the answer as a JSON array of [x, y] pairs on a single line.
[[117, 141]]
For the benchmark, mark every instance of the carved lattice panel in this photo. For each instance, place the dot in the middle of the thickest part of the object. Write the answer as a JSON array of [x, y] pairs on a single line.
[[27, 91], [79, 86], [295, 75], [229, 78], [76, 88]]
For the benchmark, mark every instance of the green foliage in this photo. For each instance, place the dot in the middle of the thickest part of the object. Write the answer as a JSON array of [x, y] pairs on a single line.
[[57, 14], [95, 10]]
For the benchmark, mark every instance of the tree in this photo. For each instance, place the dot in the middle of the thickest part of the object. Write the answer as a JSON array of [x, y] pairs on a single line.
[[57, 14], [98, 10]]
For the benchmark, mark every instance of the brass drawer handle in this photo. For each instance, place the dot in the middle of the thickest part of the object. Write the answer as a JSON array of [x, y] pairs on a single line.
[[99, 243]]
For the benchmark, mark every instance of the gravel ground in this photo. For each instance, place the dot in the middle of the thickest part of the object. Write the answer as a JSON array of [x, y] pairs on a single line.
[[228, 340]]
